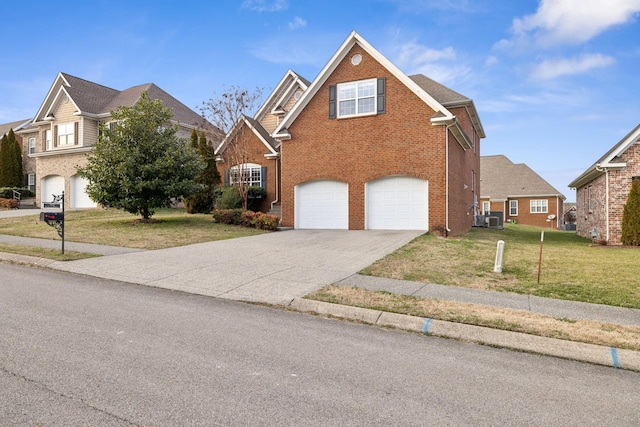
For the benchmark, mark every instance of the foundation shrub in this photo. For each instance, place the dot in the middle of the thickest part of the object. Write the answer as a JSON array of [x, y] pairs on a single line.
[[8, 203]]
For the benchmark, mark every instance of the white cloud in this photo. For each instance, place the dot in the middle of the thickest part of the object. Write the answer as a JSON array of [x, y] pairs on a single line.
[[573, 21], [265, 5], [440, 65], [297, 23], [550, 69]]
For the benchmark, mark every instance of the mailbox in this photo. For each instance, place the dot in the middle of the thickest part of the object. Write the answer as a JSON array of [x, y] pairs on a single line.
[[51, 216]]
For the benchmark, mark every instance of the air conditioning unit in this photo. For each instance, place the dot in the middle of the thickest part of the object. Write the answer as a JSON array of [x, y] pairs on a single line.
[[493, 222], [478, 221]]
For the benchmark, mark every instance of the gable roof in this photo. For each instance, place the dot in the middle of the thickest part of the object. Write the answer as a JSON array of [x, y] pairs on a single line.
[[92, 99], [263, 135], [610, 160], [283, 90], [17, 125], [501, 179], [442, 115]]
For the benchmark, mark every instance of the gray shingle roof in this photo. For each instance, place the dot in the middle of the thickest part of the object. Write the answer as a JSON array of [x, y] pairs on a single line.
[[6, 127], [439, 92], [97, 99], [500, 179]]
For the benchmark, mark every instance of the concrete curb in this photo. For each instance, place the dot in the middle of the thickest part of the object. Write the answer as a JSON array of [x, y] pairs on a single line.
[[25, 259], [590, 353]]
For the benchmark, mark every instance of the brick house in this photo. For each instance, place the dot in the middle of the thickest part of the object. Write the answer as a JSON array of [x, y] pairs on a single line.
[[602, 190], [368, 147], [67, 125], [519, 193]]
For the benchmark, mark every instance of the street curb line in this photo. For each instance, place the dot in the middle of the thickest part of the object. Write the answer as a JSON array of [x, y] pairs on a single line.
[[25, 259], [590, 353]]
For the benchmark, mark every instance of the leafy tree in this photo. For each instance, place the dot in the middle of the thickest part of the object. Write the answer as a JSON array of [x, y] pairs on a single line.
[[631, 216], [203, 201], [227, 113], [10, 161], [139, 164]]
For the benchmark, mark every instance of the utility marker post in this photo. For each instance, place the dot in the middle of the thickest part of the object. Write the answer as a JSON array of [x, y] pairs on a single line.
[[497, 267], [540, 260]]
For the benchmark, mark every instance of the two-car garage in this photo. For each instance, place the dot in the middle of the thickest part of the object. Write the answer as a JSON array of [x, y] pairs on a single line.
[[391, 203], [55, 184]]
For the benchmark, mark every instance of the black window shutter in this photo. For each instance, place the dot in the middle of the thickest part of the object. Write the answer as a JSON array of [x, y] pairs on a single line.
[[26, 180], [332, 101], [227, 179], [263, 177], [382, 107]]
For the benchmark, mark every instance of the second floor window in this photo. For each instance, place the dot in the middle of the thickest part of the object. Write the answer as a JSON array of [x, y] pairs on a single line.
[[32, 145], [66, 134], [47, 138], [357, 98]]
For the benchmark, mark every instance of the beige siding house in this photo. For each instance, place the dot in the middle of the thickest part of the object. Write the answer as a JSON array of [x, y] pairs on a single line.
[[67, 124]]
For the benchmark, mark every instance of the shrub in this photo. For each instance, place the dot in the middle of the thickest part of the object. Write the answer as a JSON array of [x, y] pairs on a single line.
[[8, 203], [7, 192], [631, 216], [255, 195], [228, 198], [228, 216], [259, 220], [201, 202]]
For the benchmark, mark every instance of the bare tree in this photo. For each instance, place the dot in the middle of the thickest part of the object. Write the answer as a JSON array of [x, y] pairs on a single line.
[[228, 112]]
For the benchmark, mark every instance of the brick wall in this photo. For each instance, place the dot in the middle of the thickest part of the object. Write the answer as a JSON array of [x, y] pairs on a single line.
[[360, 149], [255, 151]]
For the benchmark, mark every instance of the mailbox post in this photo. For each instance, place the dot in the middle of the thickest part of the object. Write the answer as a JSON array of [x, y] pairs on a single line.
[[55, 219]]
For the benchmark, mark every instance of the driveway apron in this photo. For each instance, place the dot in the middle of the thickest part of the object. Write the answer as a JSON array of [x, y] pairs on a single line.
[[273, 268]]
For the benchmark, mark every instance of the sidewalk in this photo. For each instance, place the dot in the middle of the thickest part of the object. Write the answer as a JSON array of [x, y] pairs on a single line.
[[280, 268]]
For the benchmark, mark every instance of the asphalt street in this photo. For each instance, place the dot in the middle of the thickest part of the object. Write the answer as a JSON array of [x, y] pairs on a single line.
[[77, 350]]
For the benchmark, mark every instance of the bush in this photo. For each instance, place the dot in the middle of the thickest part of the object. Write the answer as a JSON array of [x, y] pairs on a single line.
[[631, 216], [8, 203], [199, 203], [255, 195], [259, 220], [228, 216], [228, 198], [7, 192]]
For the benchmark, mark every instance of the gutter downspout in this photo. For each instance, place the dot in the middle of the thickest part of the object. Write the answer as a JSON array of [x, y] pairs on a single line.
[[446, 186], [606, 174], [277, 199]]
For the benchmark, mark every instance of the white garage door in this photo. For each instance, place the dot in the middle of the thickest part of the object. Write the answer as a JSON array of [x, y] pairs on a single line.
[[397, 203], [79, 197], [49, 186], [322, 204]]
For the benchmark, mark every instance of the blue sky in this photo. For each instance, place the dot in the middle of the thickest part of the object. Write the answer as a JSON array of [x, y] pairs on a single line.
[[556, 82]]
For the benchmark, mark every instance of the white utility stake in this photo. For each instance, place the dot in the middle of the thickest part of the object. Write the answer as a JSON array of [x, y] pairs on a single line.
[[497, 268]]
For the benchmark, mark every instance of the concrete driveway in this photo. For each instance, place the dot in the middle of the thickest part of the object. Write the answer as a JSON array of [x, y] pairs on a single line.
[[273, 268]]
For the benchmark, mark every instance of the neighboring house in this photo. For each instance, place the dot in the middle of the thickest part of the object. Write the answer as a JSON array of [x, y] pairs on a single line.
[[261, 152], [570, 216], [519, 193], [67, 125], [602, 190], [28, 167], [367, 147]]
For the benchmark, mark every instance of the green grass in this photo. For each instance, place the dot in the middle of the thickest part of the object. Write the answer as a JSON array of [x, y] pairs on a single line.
[[44, 253], [117, 228], [572, 268]]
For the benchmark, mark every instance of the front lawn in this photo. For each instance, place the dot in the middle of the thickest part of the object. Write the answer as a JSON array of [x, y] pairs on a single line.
[[572, 268], [118, 228]]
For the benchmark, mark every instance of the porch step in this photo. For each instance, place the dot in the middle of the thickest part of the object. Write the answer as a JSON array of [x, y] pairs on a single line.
[[28, 203], [276, 210]]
